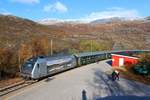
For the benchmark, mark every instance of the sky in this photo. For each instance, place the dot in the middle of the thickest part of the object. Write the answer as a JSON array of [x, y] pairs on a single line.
[[75, 9]]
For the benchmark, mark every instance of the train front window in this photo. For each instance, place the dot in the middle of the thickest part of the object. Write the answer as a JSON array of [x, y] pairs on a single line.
[[28, 65]]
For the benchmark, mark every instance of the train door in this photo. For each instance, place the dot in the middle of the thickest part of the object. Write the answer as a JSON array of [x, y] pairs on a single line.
[[38, 70], [42, 69]]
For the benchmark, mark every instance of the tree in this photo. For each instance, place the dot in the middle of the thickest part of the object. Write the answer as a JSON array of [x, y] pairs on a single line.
[[40, 46], [5, 60], [143, 67], [24, 52], [92, 45]]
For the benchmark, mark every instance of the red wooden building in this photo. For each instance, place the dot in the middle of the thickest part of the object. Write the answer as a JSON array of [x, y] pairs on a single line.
[[121, 60]]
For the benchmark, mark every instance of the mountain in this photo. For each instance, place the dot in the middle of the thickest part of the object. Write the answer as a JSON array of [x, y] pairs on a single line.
[[50, 21], [94, 22], [147, 18], [130, 34], [15, 30], [58, 22], [107, 21], [98, 21]]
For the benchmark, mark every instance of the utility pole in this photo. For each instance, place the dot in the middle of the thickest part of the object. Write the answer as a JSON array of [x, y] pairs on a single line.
[[91, 46], [51, 47]]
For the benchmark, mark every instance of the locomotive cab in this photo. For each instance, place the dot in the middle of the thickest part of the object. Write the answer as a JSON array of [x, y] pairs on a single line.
[[34, 68], [27, 67], [40, 69]]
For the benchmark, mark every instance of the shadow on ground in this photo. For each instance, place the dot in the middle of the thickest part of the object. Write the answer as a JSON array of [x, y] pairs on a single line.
[[84, 96], [109, 62], [48, 79], [104, 86], [125, 98]]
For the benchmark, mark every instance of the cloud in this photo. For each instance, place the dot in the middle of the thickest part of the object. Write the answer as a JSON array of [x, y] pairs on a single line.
[[5, 12], [56, 7], [26, 1], [113, 12]]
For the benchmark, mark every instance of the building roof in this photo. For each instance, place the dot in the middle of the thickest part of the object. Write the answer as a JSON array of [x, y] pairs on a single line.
[[124, 56]]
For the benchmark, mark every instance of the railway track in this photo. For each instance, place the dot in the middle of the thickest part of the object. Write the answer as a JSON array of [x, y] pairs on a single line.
[[15, 87]]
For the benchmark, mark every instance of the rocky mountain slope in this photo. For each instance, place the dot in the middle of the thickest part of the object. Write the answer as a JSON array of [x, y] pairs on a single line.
[[128, 34]]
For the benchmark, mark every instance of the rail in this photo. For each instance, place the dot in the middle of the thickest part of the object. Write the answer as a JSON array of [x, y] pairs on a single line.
[[14, 87]]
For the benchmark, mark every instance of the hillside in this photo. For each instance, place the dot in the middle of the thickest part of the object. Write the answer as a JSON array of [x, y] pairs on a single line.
[[130, 34], [22, 38]]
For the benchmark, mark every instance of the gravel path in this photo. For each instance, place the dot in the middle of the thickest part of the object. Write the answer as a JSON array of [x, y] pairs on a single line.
[[90, 82]]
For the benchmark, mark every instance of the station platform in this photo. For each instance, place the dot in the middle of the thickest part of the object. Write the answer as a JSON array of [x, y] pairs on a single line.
[[89, 82]]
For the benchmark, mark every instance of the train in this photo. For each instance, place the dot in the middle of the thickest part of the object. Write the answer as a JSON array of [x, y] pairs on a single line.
[[39, 67]]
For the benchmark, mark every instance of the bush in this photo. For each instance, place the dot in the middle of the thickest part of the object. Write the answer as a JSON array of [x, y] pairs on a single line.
[[143, 67], [92, 45]]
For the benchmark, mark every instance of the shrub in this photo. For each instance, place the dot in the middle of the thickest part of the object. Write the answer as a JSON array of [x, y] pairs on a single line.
[[143, 67]]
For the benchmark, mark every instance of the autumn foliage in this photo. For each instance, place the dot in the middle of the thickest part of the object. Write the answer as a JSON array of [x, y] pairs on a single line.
[[7, 61], [12, 58]]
